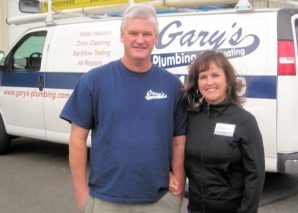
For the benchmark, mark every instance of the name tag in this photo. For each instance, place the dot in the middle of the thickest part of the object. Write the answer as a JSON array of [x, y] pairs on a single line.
[[224, 129]]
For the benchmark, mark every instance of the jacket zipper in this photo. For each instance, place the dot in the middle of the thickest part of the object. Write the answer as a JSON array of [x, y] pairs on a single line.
[[202, 157]]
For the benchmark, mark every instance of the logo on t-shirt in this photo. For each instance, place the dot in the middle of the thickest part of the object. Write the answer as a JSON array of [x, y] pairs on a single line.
[[155, 95]]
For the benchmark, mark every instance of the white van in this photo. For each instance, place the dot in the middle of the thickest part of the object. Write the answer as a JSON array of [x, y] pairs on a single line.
[[42, 67]]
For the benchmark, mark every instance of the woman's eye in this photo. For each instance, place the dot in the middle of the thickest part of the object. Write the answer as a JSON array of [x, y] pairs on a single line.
[[202, 77]]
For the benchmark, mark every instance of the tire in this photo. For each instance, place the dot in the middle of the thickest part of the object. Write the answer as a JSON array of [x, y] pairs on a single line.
[[4, 138]]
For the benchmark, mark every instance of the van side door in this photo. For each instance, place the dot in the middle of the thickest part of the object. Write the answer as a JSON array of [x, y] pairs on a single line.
[[21, 96], [287, 116]]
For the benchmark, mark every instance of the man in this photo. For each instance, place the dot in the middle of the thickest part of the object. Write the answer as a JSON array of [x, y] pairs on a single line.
[[135, 112]]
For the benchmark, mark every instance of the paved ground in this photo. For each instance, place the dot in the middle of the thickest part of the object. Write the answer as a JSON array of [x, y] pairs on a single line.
[[35, 178]]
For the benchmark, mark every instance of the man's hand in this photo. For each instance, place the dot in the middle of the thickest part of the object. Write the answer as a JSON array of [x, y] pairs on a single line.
[[174, 186], [81, 197]]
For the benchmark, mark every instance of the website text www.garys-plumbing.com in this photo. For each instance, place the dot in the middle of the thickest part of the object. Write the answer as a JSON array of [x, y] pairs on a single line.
[[36, 94]]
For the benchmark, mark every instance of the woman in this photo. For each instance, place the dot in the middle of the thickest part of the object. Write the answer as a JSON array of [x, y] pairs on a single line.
[[224, 155]]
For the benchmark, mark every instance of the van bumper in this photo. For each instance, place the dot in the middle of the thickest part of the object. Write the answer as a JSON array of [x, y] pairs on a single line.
[[287, 163]]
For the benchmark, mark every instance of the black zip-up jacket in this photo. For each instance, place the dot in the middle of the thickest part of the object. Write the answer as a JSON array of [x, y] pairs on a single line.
[[224, 160]]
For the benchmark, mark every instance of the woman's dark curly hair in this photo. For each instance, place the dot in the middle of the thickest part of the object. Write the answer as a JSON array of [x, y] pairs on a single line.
[[192, 95]]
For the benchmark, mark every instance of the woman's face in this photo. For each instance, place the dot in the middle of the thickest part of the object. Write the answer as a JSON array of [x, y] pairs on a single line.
[[212, 84]]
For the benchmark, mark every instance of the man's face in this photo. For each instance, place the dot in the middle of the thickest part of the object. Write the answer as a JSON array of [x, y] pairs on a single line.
[[139, 37]]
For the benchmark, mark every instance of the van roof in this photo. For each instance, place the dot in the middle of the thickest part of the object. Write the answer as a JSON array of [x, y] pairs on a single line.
[[65, 17]]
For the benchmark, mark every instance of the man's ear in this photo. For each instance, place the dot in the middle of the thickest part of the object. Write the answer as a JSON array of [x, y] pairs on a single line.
[[156, 40], [121, 37]]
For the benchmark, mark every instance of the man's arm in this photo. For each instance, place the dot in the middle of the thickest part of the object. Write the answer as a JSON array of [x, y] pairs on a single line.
[[78, 162], [178, 161]]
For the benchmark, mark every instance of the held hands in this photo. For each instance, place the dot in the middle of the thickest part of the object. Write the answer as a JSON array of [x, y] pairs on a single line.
[[174, 186]]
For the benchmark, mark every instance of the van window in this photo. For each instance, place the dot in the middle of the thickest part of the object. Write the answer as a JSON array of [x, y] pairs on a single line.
[[296, 31], [27, 54]]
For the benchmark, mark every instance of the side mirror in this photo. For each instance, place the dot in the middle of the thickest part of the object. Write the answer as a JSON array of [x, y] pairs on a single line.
[[2, 58], [30, 6]]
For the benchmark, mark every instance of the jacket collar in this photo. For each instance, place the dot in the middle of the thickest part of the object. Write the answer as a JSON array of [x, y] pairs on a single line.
[[215, 109]]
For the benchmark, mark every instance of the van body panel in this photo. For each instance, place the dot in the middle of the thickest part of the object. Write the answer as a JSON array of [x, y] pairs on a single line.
[[85, 46], [287, 124], [249, 40]]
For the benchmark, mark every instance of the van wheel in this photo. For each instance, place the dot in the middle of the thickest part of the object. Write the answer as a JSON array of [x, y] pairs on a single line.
[[4, 138]]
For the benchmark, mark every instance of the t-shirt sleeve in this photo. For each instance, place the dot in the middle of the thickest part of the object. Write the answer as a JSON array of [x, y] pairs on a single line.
[[79, 107], [180, 114]]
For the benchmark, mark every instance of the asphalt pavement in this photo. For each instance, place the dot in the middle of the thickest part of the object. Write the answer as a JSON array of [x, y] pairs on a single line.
[[35, 178]]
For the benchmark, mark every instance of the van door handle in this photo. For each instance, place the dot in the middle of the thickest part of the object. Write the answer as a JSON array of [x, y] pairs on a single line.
[[40, 83]]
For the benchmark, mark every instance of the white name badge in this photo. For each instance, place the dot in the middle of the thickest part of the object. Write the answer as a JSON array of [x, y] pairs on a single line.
[[224, 129]]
